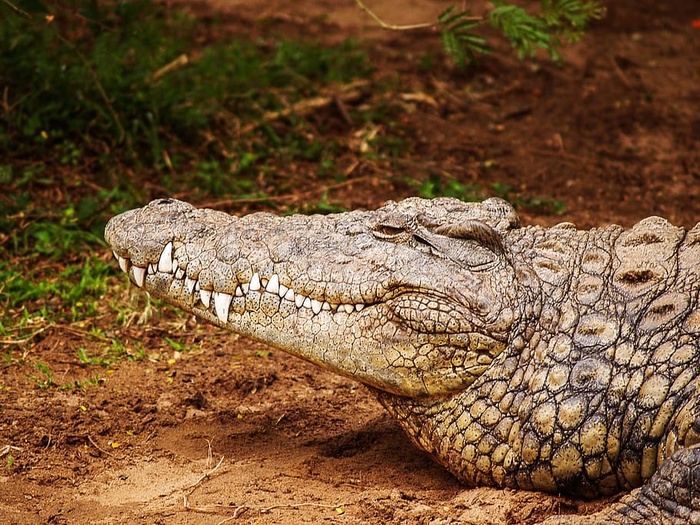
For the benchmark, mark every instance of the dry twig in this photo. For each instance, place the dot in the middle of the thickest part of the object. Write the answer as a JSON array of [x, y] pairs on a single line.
[[171, 66], [17, 9], [349, 93], [204, 476], [92, 442], [7, 449], [393, 27], [238, 510], [290, 197], [24, 339], [620, 74]]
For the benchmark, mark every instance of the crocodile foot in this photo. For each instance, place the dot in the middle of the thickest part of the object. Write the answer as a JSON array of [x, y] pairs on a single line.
[[671, 497]]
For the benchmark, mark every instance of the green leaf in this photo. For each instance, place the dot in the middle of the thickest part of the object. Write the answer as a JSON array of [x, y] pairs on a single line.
[[458, 39]]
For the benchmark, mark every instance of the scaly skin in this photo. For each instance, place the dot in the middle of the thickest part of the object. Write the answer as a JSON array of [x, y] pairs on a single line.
[[542, 359]]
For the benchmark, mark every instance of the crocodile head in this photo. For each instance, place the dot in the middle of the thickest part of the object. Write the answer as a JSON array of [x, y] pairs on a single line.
[[415, 298]]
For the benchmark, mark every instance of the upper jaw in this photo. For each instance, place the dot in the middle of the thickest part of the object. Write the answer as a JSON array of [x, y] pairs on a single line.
[[207, 296]]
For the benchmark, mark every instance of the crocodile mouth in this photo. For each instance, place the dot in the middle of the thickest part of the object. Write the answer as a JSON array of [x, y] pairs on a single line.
[[410, 337], [219, 302], [410, 308]]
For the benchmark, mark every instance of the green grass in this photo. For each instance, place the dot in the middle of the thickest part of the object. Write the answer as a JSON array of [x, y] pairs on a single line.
[[78, 286], [104, 95], [44, 377], [110, 353], [436, 186]]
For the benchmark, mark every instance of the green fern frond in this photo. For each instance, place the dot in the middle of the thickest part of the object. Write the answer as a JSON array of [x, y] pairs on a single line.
[[459, 41], [559, 21]]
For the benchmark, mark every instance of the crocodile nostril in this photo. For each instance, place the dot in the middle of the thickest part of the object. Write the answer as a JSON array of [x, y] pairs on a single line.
[[165, 201]]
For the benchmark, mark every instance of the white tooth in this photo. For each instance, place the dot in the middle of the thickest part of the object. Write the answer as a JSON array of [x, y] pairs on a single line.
[[139, 275], [205, 297], [348, 308], [196, 286], [325, 306], [255, 282], [245, 287], [124, 264], [151, 269], [359, 307], [189, 284], [307, 302], [299, 300], [179, 273], [221, 303], [165, 264], [176, 264], [115, 255], [289, 295], [316, 306], [239, 292], [282, 291], [273, 285]]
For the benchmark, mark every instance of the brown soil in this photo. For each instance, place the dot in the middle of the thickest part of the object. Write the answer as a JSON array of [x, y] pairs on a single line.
[[227, 433]]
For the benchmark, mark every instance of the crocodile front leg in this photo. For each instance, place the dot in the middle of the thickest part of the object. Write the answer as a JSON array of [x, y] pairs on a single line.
[[671, 497]]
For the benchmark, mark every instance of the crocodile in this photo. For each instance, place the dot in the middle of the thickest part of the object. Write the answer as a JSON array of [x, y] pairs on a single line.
[[547, 359]]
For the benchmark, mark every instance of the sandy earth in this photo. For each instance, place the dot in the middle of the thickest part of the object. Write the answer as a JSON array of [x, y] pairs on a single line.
[[226, 432]]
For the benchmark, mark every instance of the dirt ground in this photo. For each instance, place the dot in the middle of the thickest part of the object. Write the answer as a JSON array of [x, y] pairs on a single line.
[[227, 432]]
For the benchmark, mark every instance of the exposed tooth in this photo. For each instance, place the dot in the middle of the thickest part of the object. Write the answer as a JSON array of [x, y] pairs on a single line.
[[255, 282], [239, 292], [139, 275], [189, 284], [115, 255], [165, 263], [325, 306], [289, 295], [179, 273], [221, 303], [273, 285], [245, 287], [282, 291], [307, 302], [299, 300], [334, 307], [176, 264], [348, 308], [196, 286], [151, 269], [316, 306], [124, 264], [359, 307], [205, 297]]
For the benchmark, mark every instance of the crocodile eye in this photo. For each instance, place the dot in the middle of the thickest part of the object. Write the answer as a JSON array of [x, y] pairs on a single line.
[[386, 231]]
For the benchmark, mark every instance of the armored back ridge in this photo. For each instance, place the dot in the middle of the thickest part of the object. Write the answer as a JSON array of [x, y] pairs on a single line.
[[543, 359]]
